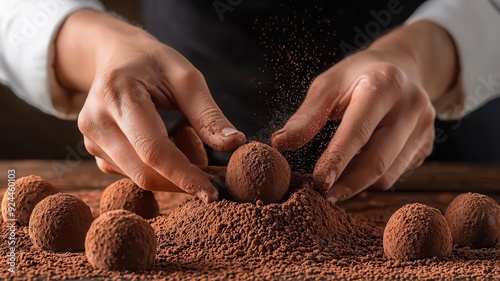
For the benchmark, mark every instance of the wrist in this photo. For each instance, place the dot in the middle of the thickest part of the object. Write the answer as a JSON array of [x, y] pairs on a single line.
[[86, 41], [426, 52]]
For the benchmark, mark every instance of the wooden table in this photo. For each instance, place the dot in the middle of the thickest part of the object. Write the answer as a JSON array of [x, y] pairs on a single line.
[[430, 177]]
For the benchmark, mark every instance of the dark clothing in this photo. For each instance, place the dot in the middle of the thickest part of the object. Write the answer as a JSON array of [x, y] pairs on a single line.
[[259, 57]]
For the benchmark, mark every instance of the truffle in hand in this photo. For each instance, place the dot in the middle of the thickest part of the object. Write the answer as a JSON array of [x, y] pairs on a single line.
[[27, 193], [474, 220], [257, 171], [417, 231], [59, 223], [120, 240]]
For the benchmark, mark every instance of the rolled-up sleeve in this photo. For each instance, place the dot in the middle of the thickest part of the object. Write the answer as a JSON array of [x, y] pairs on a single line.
[[475, 29], [27, 30]]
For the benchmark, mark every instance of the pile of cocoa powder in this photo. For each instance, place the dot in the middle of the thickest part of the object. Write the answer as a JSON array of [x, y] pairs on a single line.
[[305, 237]]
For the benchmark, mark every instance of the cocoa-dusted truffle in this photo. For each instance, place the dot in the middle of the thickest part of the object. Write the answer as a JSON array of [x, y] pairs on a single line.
[[257, 171], [417, 231], [23, 197], [474, 220], [59, 223], [126, 195], [120, 240]]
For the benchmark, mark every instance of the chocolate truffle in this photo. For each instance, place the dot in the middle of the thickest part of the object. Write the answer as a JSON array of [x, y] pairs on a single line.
[[188, 141], [126, 195], [417, 231], [120, 240], [257, 171], [59, 223], [28, 192], [474, 220]]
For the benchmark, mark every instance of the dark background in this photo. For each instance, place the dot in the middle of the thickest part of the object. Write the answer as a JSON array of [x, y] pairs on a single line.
[[26, 133]]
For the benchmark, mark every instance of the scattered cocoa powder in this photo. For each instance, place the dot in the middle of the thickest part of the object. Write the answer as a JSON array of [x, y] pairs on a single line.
[[474, 220], [417, 231], [29, 191], [59, 223], [124, 194], [119, 240], [340, 258], [256, 171]]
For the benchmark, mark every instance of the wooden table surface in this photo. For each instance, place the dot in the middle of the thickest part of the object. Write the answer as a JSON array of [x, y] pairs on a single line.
[[430, 177]]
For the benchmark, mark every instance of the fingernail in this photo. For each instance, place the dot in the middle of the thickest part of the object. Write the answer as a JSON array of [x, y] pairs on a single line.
[[332, 200], [208, 197], [229, 131], [330, 180]]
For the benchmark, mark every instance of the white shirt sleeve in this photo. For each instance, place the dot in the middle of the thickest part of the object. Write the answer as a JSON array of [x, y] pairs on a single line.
[[27, 29], [475, 28]]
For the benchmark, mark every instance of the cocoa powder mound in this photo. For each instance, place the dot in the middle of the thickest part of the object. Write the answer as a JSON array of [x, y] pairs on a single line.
[[417, 231], [304, 227], [29, 191], [124, 194], [474, 220], [366, 216], [257, 171]]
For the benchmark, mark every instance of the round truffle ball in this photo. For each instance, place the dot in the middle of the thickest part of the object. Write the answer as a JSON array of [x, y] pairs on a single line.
[[126, 195], [59, 223], [257, 171], [23, 196], [417, 231], [121, 240], [474, 220]]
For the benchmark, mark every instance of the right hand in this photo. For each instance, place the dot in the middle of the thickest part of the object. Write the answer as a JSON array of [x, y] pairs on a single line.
[[123, 130]]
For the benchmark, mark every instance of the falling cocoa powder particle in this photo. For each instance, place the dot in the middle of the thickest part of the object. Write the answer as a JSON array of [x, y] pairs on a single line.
[[59, 223], [28, 192], [257, 171], [124, 194], [417, 231], [120, 240], [474, 220]]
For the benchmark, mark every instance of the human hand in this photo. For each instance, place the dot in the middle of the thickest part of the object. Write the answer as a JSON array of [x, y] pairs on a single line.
[[133, 75], [382, 96]]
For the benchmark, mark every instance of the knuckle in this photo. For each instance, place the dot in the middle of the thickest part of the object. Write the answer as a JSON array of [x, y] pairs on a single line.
[[91, 147], [105, 166], [362, 129], [381, 163], [148, 149], [384, 183], [387, 79], [141, 178], [188, 75], [84, 123]]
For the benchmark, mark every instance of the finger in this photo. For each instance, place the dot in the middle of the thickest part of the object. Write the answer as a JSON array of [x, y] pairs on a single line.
[[108, 167], [189, 143], [147, 134], [321, 102], [376, 157], [371, 100], [195, 101], [416, 150]]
